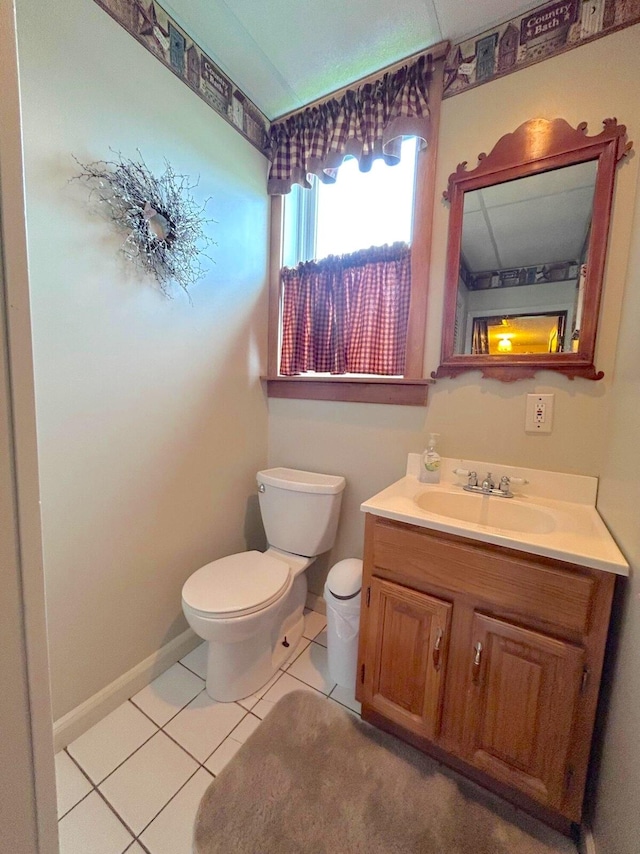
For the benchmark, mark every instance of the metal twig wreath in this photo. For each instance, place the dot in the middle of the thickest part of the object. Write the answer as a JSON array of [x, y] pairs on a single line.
[[164, 224]]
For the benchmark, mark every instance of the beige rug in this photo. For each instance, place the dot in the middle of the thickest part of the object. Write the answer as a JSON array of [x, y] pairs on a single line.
[[313, 778]]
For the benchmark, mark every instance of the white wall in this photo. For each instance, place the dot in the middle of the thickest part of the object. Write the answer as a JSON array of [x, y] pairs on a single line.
[[28, 815], [484, 418], [17, 793], [478, 418], [151, 417], [617, 818], [367, 444], [561, 295]]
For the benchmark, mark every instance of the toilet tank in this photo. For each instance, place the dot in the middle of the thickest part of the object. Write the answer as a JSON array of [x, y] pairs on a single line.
[[300, 509]]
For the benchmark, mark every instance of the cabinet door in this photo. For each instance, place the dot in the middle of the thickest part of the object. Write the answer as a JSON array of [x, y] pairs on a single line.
[[406, 658], [523, 691]]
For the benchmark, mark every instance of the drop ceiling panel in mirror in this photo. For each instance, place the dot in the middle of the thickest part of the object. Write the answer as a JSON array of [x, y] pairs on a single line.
[[540, 219]]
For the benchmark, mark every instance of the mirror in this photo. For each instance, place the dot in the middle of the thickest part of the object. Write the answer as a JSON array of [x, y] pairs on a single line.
[[523, 245], [527, 242]]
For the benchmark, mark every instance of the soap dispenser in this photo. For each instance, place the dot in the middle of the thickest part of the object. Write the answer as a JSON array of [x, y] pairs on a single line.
[[430, 469]]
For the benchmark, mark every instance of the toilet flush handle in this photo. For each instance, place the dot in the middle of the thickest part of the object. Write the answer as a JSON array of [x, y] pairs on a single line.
[[261, 487]]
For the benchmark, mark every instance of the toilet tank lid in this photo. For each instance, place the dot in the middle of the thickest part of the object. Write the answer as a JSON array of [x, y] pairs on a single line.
[[302, 481]]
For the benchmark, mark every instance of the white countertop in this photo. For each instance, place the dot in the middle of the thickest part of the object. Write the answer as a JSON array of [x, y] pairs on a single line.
[[579, 535]]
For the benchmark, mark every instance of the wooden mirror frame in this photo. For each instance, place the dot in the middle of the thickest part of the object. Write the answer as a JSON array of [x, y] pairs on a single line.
[[538, 145]]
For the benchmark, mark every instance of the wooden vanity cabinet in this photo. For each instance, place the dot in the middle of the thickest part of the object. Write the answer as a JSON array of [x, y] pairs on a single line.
[[486, 657], [408, 653]]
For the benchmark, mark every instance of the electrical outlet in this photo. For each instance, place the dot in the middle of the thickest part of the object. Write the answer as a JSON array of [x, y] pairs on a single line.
[[539, 413]]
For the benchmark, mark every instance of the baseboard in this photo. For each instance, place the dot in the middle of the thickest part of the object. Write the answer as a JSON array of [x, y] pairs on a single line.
[[79, 720], [587, 842], [316, 603]]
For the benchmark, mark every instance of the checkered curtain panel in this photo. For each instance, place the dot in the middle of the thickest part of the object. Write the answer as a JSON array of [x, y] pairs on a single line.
[[367, 122], [348, 313]]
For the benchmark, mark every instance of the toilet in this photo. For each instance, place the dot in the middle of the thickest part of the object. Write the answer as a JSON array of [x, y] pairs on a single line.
[[249, 606]]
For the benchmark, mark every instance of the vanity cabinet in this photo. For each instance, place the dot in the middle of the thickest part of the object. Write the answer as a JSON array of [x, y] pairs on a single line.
[[523, 693], [486, 657], [408, 654]]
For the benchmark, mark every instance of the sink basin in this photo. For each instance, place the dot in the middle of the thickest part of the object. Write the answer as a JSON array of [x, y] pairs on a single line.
[[492, 511], [554, 517]]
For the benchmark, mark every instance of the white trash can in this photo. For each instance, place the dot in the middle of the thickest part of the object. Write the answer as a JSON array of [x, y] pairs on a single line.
[[342, 593]]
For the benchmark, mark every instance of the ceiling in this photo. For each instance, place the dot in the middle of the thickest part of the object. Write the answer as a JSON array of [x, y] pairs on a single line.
[[286, 53]]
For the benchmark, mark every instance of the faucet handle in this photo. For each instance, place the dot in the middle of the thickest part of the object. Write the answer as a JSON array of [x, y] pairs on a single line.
[[505, 483], [472, 477]]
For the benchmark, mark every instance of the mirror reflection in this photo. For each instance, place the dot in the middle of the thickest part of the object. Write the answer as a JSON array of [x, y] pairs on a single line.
[[518, 334], [523, 263]]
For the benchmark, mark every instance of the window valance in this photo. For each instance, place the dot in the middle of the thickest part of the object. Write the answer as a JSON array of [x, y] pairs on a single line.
[[367, 123]]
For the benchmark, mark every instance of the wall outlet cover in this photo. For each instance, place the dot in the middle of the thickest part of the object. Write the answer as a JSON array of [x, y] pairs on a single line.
[[539, 413]]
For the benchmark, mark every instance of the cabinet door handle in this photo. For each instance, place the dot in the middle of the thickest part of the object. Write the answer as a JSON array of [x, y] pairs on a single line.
[[476, 661], [436, 649]]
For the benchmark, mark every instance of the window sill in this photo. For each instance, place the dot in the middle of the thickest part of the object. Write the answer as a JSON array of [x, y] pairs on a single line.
[[399, 391]]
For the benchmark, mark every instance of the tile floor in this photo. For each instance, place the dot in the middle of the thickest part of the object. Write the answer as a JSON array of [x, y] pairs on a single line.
[[133, 782]]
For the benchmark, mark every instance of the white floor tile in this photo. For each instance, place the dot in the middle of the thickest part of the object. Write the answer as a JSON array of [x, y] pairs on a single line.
[[314, 623], [92, 828], [102, 748], [196, 660], [249, 702], [262, 691], [169, 693], [71, 784], [172, 831], [321, 638], [284, 685], [262, 708], [244, 729], [140, 788], [303, 643], [204, 724], [312, 667], [347, 697], [222, 755]]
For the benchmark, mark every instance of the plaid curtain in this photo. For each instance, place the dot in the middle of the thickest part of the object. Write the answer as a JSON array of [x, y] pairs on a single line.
[[367, 123], [348, 313]]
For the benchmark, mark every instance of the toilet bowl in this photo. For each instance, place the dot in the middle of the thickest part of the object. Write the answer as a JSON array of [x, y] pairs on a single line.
[[249, 607]]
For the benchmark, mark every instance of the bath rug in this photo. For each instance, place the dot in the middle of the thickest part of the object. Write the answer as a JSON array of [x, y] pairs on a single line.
[[315, 779]]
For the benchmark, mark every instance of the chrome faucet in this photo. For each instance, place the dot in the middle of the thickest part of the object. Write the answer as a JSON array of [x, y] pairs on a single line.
[[488, 483]]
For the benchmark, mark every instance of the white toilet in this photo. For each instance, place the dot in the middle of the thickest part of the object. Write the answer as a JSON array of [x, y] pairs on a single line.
[[249, 606]]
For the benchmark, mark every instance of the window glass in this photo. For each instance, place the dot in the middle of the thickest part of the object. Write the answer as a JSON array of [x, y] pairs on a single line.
[[365, 209], [361, 209]]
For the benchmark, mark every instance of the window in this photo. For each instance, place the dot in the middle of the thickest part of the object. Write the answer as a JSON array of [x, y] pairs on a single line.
[[361, 209], [316, 224]]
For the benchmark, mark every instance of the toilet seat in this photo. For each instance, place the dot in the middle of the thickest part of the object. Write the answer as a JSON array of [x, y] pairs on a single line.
[[236, 585]]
